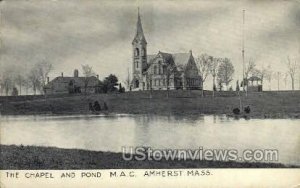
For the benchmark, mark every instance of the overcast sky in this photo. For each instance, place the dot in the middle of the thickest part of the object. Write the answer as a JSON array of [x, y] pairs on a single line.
[[69, 33]]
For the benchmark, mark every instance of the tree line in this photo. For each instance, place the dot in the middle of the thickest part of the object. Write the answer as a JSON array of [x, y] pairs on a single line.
[[14, 80], [222, 71]]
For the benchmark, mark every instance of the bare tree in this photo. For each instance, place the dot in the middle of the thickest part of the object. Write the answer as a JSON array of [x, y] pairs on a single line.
[[225, 72], [292, 67], [214, 71], [7, 84], [87, 73], [204, 63], [277, 75], [285, 79], [20, 81], [268, 75], [128, 80], [250, 68], [34, 80], [43, 69], [7, 80]]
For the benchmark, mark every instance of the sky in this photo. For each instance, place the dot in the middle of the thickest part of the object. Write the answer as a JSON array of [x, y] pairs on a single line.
[[70, 33]]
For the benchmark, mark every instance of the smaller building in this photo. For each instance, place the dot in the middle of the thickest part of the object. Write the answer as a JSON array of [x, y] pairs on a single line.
[[69, 85], [254, 84]]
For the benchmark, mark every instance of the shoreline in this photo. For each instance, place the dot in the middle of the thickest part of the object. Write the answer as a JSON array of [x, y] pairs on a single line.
[[38, 157], [264, 105], [112, 114]]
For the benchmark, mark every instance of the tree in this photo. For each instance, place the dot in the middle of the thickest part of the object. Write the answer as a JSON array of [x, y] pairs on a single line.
[[34, 79], [260, 73], [14, 92], [128, 80], [20, 81], [204, 63], [110, 83], [285, 79], [225, 72], [87, 72], [248, 70], [43, 70], [220, 85], [277, 76], [268, 75], [292, 67], [7, 81], [213, 71]]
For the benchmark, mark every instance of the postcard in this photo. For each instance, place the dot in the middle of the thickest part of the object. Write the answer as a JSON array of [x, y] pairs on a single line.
[[152, 93]]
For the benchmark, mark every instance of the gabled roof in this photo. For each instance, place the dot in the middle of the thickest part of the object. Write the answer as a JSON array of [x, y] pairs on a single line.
[[181, 59], [150, 57], [139, 36], [254, 78], [79, 81]]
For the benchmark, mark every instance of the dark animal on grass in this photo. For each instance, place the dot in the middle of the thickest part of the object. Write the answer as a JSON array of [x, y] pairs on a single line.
[[247, 110], [236, 111], [97, 106]]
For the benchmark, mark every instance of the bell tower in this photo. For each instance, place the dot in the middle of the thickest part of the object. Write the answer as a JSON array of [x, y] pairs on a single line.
[[139, 56]]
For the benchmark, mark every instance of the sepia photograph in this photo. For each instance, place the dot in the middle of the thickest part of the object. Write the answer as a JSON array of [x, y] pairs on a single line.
[[172, 88]]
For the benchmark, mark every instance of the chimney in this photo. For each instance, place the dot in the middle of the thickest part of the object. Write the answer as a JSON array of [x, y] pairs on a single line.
[[191, 52], [76, 73], [48, 80], [97, 76], [62, 74]]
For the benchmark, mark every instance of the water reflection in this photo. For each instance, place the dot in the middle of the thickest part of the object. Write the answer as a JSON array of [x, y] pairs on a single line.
[[110, 133]]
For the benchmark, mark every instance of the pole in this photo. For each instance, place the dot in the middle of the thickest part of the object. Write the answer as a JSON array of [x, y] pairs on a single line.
[[243, 53], [278, 78]]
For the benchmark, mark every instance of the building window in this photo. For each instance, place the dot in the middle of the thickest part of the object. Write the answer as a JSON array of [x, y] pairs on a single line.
[[137, 83], [143, 52], [137, 64], [164, 69], [159, 67], [155, 69], [137, 52]]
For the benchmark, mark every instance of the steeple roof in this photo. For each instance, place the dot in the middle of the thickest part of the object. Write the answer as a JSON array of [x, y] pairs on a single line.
[[139, 36]]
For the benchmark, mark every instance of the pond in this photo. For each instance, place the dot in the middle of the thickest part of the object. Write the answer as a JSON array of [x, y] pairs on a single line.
[[110, 133]]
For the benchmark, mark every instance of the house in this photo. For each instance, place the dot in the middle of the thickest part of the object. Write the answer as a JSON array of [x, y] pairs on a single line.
[[75, 84], [163, 70]]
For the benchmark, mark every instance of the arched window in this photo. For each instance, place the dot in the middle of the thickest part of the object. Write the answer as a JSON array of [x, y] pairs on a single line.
[[137, 83], [143, 52], [137, 64], [136, 52], [155, 69], [159, 67]]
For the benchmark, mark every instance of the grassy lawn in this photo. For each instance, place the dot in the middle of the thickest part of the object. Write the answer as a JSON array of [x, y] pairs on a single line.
[[263, 105], [32, 157]]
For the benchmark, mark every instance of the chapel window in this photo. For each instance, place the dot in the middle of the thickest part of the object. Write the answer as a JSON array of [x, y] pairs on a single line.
[[137, 52]]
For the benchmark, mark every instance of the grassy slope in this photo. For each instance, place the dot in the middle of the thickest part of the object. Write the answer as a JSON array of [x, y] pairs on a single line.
[[31, 157], [267, 104]]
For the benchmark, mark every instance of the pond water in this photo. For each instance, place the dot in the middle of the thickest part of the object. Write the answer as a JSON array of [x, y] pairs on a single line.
[[110, 133]]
